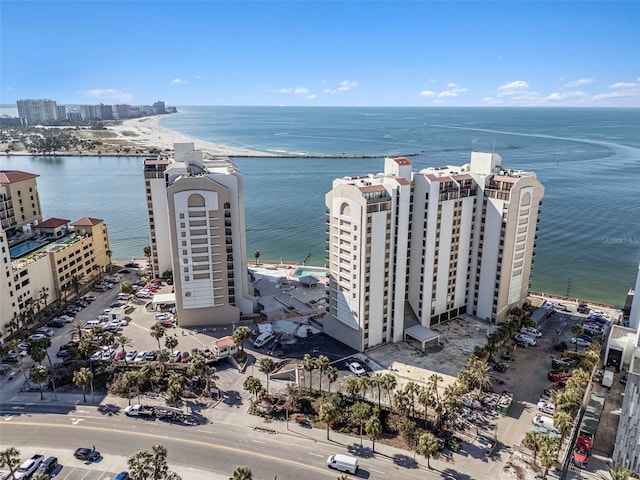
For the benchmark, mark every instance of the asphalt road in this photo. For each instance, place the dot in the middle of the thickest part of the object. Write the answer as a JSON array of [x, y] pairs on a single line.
[[194, 451]]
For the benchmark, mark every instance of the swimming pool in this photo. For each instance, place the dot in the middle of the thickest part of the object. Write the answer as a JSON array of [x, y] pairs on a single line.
[[24, 248], [315, 272]]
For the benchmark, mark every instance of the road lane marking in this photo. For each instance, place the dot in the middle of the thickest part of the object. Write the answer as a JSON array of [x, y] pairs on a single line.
[[257, 441], [76, 421], [377, 471], [237, 450], [315, 454]]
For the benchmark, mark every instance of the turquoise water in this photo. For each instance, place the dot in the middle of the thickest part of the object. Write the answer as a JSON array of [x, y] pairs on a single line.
[[587, 159], [303, 272], [23, 248]]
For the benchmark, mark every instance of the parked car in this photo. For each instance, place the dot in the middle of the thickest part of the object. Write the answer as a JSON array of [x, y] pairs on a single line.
[[561, 346], [46, 331], [356, 368], [120, 355], [581, 342], [37, 336], [131, 355], [150, 356], [56, 323], [546, 407], [525, 340], [87, 454], [206, 352], [48, 466], [122, 476], [28, 467], [185, 357], [565, 362], [140, 356], [531, 332], [559, 375]]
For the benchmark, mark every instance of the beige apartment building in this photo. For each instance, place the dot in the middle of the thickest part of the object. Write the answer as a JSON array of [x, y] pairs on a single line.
[[19, 203]]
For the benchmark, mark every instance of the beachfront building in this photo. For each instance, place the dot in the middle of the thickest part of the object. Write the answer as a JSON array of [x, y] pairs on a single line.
[[60, 258], [197, 226], [19, 203], [626, 450], [36, 112], [411, 249]]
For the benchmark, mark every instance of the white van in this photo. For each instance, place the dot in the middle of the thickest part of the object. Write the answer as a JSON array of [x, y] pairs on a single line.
[[124, 296], [531, 332], [343, 463], [545, 422], [92, 323], [263, 338], [525, 339]]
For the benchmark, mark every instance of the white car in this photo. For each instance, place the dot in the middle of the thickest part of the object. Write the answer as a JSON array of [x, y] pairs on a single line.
[[525, 339], [581, 342], [37, 336], [49, 332], [356, 368], [531, 332], [546, 407], [131, 355], [143, 293], [140, 356]]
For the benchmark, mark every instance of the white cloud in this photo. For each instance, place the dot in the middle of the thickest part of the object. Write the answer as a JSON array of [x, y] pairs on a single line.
[[311, 97], [623, 85], [579, 83], [347, 85], [109, 94], [452, 92], [177, 81], [447, 93], [295, 91], [329, 91], [427, 93], [517, 85]]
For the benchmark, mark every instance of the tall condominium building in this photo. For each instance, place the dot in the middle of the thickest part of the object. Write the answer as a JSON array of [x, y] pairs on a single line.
[[626, 450], [416, 248], [19, 202], [37, 111], [196, 223]]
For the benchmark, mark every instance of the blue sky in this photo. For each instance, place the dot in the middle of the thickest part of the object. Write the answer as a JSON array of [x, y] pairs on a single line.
[[372, 53]]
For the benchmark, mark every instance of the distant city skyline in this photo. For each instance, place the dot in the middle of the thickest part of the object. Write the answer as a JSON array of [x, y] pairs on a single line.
[[322, 53]]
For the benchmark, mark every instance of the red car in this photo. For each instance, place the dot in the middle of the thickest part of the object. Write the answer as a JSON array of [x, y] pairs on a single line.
[[559, 375], [119, 355], [151, 288], [184, 358]]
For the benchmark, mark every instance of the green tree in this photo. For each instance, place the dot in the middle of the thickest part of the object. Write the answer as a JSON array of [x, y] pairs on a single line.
[[267, 366], [352, 387], [577, 330], [322, 364], [328, 414], [140, 465], [428, 447], [616, 472], [171, 343], [332, 376], [360, 412], [254, 386], [309, 365], [548, 453], [157, 332], [124, 342], [531, 440], [39, 374], [130, 380], [240, 335], [126, 287], [158, 462], [377, 380], [563, 422], [10, 458], [83, 378], [37, 350], [374, 429], [147, 253], [389, 384], [242, 473], [480, 373], [40, 476]]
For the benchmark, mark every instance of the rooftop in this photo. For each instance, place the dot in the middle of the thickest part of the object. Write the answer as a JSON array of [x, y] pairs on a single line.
[[12, 176]]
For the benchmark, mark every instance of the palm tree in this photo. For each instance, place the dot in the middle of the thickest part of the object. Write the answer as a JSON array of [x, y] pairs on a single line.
[[40, 476], [480, 373], [14, 346], [548, 453], [240, 335], [360, 412], [242, 473], [171, 343], [147, 253], [332, 376], [412, 389], [75, 283], [37, 350], [139, 464], [426, 399], [531, 440], [83, 378], [328, 414], [158, 462], [376, 382], [256, 255], [352, 387], [616, 472], [157, 332], [130, 379], [563, 422], [267, 366], [389, 384], [38, 374], [322, 364], [254, 386], [11, 459], [124, 342], [428, 447], [77, 330], [374, 430], [309, 365]]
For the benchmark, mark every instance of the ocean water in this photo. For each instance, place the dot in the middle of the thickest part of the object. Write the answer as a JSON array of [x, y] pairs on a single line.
[[587, 159]]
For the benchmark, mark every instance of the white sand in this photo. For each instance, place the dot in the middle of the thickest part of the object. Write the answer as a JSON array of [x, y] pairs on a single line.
[[146, 132]]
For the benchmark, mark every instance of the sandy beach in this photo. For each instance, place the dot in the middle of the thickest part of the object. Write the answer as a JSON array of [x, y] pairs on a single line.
[[146, 133]]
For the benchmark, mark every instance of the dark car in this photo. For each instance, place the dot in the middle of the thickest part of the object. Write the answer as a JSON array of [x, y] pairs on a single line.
[[48, 466], [560, 347], [55, 323], [88, 454], [10, 357]]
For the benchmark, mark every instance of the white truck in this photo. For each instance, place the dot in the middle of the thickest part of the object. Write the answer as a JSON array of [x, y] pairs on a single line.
[[138, 410], [607, 378]]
